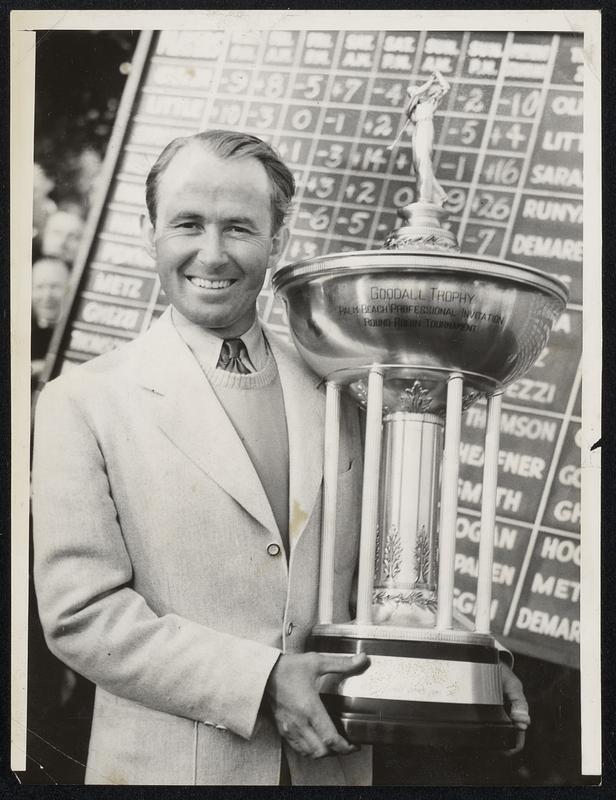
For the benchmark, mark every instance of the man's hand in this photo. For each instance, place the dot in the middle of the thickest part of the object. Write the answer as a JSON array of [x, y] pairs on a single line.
[[514, 695], [300, 716]]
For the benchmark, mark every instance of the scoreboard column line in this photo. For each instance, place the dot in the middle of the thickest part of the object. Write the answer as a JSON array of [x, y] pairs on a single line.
[[281, 131], [378, 210], [218, 68], [317, 131], [357, 139], [287, 97], [451, 99], [256, 66], [543, 501], [481, 150], [267, 293], [421, 41], [517, 198]]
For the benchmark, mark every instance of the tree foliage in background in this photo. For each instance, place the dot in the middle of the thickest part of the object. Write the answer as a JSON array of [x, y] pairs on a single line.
[[80, 76]]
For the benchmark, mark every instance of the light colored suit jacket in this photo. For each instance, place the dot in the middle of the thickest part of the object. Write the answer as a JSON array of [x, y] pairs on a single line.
[[152, 568]]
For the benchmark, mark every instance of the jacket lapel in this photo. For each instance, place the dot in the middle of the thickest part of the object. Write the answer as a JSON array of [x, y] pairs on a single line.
[[185, 407], [305, 412]]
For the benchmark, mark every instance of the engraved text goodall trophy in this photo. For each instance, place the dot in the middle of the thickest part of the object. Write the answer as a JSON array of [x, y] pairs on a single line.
[[415, 332]]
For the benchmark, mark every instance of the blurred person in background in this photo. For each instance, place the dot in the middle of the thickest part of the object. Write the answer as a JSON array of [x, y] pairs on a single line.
[[89, 165], [42, 206], [50, 277], [62, 235]]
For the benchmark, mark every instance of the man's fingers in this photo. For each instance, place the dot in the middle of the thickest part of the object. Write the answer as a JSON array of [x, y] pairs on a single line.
[[326, 732], [314, 736], [309, 744], [520, 717], [301, 718], [296, 729], [342, 664], [519, 709], [514, 693]]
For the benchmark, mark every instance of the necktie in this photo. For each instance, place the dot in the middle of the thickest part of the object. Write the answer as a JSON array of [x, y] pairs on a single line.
[[234, 357]]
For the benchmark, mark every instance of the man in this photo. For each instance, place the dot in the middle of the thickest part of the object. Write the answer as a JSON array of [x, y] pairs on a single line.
[[61, 235], [177, 502], [50, 278], [42, 205]]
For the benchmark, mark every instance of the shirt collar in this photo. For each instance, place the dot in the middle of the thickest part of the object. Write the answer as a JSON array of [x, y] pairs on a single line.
[[206, 346]]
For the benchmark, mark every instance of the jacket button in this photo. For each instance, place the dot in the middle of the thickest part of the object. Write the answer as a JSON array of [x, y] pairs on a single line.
[[290, 627], [273, 549]]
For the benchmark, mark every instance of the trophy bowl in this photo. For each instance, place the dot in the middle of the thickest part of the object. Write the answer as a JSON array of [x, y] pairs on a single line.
[[421, 316], [415, 336]]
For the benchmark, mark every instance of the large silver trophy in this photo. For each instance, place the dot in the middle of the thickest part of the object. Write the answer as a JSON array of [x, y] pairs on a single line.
[[416, 332]]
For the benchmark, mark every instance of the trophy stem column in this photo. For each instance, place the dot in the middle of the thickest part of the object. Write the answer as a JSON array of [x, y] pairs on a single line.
[[488, 514], [330, 495], [370, 496], [449, 502]]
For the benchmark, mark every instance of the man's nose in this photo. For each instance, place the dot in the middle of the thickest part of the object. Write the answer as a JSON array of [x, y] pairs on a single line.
[[212, 252]]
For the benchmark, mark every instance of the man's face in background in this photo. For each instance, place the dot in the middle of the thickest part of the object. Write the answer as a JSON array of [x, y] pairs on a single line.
[[49, 284], [61, 236]]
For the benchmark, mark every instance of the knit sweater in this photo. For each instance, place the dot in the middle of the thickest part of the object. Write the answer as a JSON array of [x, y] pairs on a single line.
[[255, 405]]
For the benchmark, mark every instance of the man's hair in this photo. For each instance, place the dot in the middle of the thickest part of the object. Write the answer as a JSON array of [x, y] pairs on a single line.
[[229, 144]]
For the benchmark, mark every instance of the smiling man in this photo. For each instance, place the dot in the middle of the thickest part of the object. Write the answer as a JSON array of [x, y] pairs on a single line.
[[177, 505], [214, 232]]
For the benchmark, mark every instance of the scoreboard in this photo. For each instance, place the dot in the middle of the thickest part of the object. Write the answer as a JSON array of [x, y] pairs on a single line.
[[509, 152]]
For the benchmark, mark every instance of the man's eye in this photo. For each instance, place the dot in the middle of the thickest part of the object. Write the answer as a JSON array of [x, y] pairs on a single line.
[[188, 225], [238, 229]]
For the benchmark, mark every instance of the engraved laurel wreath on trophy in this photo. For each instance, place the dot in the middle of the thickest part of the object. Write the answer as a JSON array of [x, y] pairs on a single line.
[[416, 332]]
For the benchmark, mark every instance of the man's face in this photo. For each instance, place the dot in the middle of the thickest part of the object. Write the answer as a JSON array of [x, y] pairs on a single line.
[[62, 235], [213, 239], [49, 283]]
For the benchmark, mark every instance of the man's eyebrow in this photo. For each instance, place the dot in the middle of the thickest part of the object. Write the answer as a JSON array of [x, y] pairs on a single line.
[[184, 214], [242, 219]]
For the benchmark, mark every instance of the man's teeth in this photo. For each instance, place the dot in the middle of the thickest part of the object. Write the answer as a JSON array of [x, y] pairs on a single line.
[[203, 283]]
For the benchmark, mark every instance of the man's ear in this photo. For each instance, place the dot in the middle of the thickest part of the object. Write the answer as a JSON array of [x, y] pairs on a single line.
[[279, 242], [147, 233]]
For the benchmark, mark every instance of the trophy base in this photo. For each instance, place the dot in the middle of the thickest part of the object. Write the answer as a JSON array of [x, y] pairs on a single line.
[[365, 721], [441, 691]]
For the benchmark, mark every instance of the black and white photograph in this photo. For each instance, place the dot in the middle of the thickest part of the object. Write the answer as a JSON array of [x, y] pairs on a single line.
[[305, 477]]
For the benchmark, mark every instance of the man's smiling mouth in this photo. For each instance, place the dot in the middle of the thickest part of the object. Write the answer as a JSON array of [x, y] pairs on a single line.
[[204, 283]]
